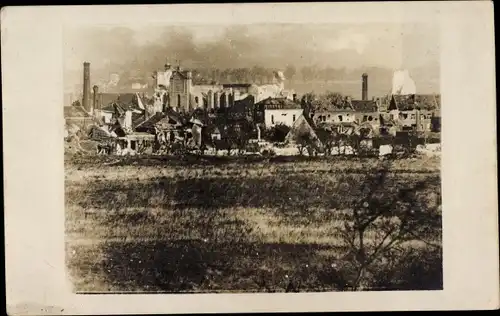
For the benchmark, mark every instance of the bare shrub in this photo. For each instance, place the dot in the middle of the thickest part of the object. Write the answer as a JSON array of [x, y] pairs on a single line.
[[386, 227]]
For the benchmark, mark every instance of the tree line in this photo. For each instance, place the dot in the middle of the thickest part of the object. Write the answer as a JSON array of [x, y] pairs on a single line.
[[262, 75]]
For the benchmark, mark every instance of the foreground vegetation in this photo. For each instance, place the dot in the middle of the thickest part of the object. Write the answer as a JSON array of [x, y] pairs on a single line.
[[239, 224]]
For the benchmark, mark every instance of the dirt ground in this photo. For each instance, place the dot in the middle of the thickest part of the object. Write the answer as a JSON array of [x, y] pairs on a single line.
[[172, 225]]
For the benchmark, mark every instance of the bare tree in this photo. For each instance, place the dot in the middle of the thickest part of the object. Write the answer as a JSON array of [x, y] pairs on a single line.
[[307, 103], [303, 140], [382, 226], [328, 138]]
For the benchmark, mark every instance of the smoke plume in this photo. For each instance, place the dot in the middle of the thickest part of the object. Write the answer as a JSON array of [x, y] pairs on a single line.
[[402, 83]]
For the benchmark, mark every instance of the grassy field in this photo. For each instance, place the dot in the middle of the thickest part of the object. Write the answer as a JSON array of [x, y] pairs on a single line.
[[232, 225]]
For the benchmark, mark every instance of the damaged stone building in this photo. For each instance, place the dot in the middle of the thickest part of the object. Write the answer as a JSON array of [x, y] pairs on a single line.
[[347, 115], [174, 88], [415, 111]]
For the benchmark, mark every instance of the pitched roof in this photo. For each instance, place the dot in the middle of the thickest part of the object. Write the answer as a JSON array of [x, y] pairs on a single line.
[[364, 105], [278, 104], [302, 124], [99, 133], [137, 118], [150, 123], [175, 115], [414, 101], [160, 119], [428, 101], [126, 101], [75, 112], [309, 120]]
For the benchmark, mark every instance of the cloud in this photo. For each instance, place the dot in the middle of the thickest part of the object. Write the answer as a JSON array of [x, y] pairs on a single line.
[[349, 40], [275, 46]]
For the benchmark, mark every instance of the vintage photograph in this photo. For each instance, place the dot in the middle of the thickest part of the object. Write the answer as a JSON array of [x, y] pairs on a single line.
[[252, 158]]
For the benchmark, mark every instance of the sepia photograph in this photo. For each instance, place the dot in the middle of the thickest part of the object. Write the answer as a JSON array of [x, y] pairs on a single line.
[[254, 158], [273, 157]]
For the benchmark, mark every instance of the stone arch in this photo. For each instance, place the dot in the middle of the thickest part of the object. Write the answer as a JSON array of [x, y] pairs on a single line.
[[222, 100]]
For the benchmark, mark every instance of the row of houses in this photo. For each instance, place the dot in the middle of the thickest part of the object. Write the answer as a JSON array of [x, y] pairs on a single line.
[[136, 118]]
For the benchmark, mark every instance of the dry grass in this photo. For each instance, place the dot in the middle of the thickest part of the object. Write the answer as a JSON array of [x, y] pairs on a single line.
[[204, 226]]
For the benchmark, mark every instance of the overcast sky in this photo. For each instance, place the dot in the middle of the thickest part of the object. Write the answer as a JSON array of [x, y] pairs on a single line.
[[392, 46]]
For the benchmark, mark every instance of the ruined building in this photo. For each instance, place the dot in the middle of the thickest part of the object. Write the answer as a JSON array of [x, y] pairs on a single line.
[[174, 88], [409, 110]]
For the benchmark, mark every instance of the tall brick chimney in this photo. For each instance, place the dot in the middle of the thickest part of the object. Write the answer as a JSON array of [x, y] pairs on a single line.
[[364, 89], [95, 101], [86, 87]]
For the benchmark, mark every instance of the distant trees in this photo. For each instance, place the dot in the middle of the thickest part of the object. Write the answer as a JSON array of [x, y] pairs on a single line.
[[242, 75], [306, 102], [333, 98], [311, 102], [290, 72], [258, 74], [328, 74], [255, 74], [263, 75], [308, 73]]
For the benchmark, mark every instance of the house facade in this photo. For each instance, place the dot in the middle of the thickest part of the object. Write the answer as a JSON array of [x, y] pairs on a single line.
[[179, 96], [281, 116], [274, 111], [334, 116], [367, 114], [346, 116]]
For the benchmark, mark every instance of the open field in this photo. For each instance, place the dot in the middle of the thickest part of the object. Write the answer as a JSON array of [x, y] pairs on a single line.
[[234, 225]]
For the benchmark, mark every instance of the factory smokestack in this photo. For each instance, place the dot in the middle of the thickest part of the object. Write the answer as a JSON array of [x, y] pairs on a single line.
[[364, 89], [86, 87], [95, 104]]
